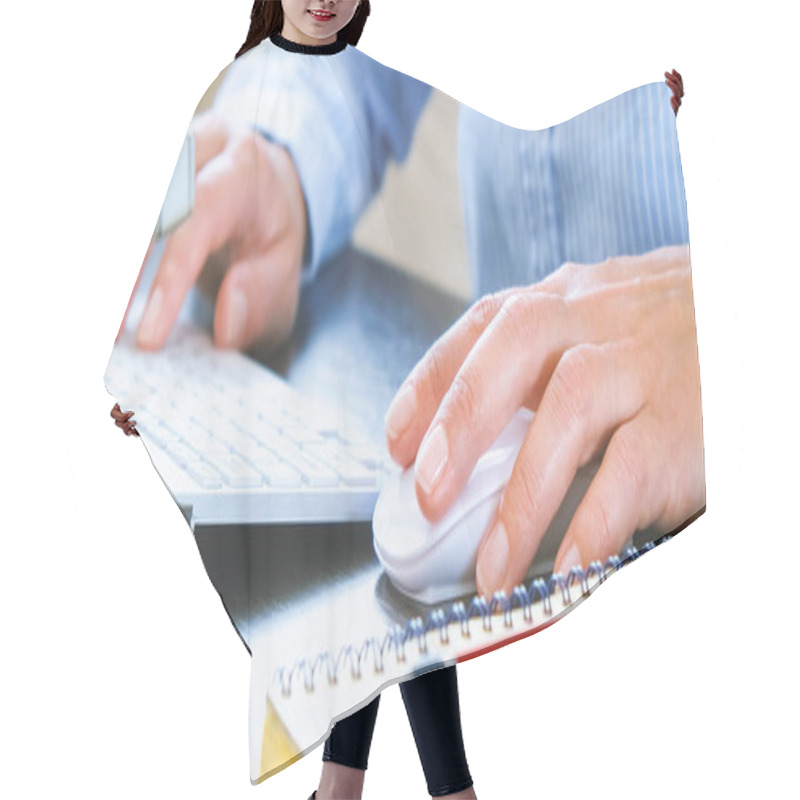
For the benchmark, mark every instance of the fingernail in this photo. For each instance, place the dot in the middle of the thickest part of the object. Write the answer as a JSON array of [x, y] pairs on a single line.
[[148, 328], [431, 460], [401, 411], [237, 317], [572, 558], [491, 572]]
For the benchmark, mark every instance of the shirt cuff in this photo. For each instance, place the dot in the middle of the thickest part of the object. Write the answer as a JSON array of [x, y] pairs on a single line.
[[330, 190]]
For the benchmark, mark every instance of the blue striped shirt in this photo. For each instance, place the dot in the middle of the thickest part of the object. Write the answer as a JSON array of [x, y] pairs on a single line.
[[606, 182]]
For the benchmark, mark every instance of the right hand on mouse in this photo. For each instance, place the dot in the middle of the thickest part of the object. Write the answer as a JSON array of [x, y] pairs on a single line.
[[246, 235], [605, 353]]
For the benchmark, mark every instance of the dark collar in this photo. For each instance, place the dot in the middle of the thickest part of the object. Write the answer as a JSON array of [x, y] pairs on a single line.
[[310, 49]]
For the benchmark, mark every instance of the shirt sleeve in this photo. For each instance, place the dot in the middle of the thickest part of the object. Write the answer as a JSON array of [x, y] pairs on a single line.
[[342, 118]]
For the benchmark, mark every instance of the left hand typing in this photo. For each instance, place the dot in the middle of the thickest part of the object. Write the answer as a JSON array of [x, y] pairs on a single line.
[[606, 354]]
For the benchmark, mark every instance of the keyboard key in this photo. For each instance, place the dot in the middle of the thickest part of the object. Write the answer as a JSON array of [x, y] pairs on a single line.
[[262, 459], [316, 473], [204, 474], [303, 435], [367, 453], [181, 454], [282, 476], [237, 472], [162, 436], [350, 470], [191, 433]]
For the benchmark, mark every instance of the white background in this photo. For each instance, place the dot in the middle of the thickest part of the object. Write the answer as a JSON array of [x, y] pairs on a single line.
[[122, 676]]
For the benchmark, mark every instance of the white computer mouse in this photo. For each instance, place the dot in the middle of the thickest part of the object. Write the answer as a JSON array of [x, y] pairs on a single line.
[[432, 562]]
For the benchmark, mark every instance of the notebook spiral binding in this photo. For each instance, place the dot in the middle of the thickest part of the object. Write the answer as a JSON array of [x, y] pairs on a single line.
[[397, 636]]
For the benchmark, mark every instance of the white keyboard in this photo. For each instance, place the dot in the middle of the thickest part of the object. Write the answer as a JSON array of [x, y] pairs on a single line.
[[235, 443]]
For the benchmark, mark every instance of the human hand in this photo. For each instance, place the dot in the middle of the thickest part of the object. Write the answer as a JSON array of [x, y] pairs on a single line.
[[135, 289], [606, 355], [122, 419], [246, 234], [675, 82]]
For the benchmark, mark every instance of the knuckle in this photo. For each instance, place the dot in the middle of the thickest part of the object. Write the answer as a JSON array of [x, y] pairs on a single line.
[[567, 270], [600, 532], [244, 152], [482, 312], [518, 307], [525, 485], [527, 316], [241, 143], [466, 400], [572, 384], [630, 465], [434, 371]]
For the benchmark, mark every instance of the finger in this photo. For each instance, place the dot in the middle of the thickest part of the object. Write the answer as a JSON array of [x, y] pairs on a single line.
[[257, 301], [594, 389], [444, 358], [415, 402], [220, 213], [676, 92], [456, 390], [413, 405], [616, 503], [135, 287], [675, 79], [518, 349], [211, 134], [119, 414], [674, 102]]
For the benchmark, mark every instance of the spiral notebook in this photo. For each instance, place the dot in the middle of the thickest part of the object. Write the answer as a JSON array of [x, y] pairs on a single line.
[[448, 635]]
